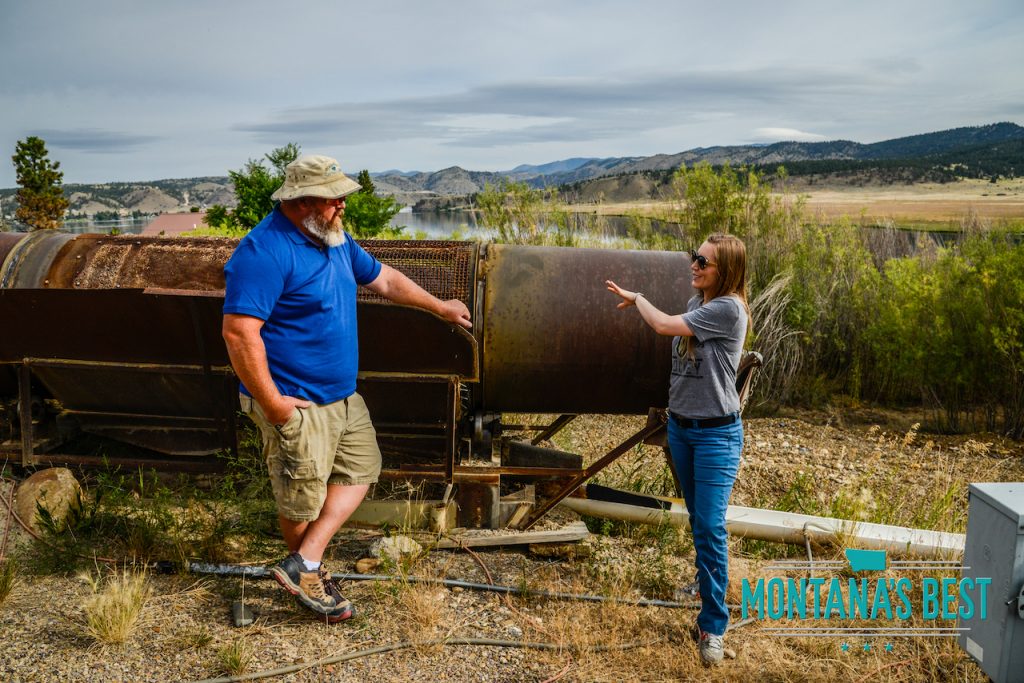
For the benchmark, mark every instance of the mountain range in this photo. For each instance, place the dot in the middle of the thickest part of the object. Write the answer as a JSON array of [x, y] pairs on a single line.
[[978, 151]]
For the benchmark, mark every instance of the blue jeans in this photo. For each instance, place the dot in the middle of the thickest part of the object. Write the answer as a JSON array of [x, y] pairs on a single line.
[[706, 462]]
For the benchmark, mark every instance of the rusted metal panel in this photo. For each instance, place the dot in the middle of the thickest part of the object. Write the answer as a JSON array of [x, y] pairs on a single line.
[[403, 339], [553, 341], [183, 391], [133, 262], [522, 454], [25, 400], [125, 326], [180, 436]]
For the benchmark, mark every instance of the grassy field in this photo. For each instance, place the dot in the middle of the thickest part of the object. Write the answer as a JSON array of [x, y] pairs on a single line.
[[922, 206]]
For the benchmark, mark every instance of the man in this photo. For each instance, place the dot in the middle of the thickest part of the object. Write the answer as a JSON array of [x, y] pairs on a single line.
[[290, 330]]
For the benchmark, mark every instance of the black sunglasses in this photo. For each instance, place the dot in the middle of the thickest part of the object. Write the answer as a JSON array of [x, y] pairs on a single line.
[[701, 260]]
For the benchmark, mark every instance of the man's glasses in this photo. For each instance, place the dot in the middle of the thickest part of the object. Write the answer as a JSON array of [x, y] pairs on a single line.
[[701, 260]]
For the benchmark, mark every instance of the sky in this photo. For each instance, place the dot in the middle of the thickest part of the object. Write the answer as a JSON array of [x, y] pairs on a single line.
[[135, 90]]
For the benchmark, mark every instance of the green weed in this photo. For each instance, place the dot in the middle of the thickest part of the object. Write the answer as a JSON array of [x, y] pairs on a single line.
[[234, 658]]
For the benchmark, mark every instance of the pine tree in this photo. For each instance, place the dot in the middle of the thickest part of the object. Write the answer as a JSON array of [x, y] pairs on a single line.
[[41, 202], [366, 182]]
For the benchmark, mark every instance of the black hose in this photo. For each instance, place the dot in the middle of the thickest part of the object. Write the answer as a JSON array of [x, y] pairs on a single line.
[[262, 573]]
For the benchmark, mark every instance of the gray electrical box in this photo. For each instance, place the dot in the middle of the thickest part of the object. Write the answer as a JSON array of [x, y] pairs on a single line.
[[995, 549]]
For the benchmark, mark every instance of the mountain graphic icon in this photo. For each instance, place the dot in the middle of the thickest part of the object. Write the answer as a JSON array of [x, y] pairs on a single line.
[[866, 560]]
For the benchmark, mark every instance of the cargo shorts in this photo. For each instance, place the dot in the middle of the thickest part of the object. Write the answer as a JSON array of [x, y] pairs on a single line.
[[318, 445]]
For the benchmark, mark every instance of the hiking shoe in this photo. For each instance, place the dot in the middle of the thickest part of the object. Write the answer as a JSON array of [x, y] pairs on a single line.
[[711, 648], [343, 608], [305, 585]]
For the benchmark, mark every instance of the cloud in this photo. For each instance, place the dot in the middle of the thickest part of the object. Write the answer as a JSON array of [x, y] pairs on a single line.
[[573, 109], [786, 135], [94, 140]]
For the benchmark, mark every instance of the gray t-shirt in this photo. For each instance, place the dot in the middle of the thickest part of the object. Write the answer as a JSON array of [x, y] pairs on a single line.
[[706, 386]]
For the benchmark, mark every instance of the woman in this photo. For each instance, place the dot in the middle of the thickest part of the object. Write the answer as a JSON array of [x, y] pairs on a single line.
[[705, 434]]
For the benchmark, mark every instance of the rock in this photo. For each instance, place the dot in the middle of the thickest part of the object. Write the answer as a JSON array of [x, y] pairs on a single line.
[[55, 489], [367, 565], [394, 547]]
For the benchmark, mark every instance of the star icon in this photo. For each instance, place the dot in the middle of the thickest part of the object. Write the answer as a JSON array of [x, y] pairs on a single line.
[[867, 647], [845, 647], [888, 647]]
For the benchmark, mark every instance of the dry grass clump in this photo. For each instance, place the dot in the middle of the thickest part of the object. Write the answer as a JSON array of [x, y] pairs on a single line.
[[8, 578], [413, 610], [112, 613], [611, 642]]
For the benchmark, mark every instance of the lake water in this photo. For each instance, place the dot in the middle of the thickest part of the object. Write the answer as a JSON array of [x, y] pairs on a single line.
[[431, 225], [464, 225], [131, 226]]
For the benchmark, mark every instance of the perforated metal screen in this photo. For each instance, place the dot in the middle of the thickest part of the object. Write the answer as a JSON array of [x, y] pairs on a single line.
[[443, 268]]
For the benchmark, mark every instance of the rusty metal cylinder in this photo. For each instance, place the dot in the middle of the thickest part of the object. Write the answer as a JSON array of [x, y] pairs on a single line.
[[550, 337], [554, 341], [53, 260]]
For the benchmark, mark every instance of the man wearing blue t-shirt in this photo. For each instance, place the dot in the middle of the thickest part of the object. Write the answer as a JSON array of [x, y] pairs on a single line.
[[290, 330]]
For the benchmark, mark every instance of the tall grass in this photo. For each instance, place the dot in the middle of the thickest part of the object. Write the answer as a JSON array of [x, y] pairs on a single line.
[[111, 614]]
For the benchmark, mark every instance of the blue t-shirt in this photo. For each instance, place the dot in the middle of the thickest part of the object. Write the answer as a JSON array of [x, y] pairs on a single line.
[[306, 295]]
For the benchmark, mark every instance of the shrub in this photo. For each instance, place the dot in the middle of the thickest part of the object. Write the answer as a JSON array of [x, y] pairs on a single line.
[[519, 214], [111, 614]]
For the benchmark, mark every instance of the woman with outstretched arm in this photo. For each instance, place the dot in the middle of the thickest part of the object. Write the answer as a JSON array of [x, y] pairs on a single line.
[[705, 433]]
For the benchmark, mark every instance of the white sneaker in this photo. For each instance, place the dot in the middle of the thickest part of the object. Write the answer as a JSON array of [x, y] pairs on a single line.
[[711, 650]]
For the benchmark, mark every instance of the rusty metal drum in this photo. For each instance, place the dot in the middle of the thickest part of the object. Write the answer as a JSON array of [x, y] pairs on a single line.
[[554, 341]]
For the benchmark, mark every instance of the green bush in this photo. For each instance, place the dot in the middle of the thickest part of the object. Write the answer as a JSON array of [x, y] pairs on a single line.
[[367, 215], [518, 214], [949, 334], [840, 310]]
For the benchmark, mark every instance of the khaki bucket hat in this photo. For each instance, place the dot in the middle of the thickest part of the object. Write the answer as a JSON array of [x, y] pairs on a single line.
[[314, 175]]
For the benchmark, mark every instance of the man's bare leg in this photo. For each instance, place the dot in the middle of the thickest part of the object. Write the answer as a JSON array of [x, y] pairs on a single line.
[[310, 539]]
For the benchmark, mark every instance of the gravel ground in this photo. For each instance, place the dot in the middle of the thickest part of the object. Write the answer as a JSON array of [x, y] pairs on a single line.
[[186, 624]]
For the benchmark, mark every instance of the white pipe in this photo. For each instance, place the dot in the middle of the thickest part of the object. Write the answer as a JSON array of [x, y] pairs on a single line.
[[788, 527]]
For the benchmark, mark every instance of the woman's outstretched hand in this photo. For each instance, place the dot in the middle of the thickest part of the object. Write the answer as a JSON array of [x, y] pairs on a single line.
[[628, 297]]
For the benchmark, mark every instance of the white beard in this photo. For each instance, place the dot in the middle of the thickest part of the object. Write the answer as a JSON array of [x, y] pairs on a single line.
[[327, 234]]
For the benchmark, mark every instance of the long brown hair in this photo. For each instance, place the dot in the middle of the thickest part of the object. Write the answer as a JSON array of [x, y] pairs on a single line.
[[731, 261]]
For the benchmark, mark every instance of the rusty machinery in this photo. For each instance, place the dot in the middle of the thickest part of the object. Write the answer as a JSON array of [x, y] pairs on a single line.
[[119, 337]]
